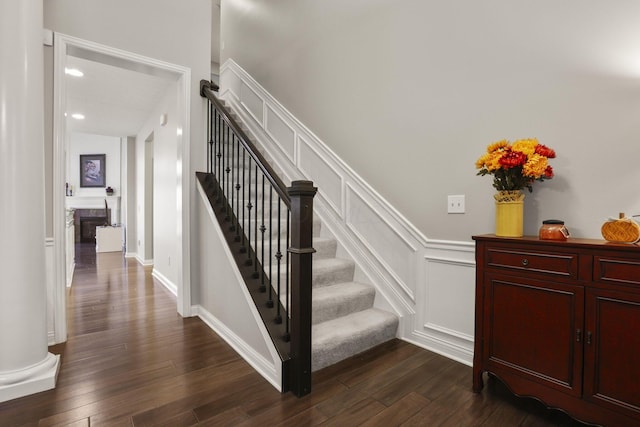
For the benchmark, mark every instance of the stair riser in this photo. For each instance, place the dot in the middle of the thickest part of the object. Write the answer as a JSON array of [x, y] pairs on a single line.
[[320, 278], [336, 275], [329, 309], [326, 353]]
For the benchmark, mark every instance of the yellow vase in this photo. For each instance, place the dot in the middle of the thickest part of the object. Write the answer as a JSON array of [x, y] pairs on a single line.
[[509, 213]]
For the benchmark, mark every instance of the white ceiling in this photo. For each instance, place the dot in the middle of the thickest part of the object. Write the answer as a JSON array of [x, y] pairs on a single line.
[[115, 101]]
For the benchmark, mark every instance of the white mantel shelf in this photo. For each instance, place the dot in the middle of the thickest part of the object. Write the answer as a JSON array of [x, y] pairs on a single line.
[[96, 202]]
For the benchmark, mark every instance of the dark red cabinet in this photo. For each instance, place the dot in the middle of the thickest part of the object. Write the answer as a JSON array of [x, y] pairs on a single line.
[[560, 321]]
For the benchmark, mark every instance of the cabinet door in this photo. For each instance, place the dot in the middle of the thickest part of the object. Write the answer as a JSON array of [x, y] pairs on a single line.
[[612, 350], [534, 331]]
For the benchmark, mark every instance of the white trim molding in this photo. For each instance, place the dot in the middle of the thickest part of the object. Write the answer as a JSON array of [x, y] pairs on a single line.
[[168, 284], [33, 379], [63, 46], [263, 366], [428, 283]]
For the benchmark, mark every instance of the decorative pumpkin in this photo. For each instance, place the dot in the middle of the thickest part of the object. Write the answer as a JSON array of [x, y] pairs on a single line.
[[622, 230]]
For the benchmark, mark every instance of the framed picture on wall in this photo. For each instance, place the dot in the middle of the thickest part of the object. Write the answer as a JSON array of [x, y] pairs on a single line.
[[93, 169]]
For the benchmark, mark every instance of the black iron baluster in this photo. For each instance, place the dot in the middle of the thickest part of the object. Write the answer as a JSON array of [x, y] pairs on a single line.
[[270, 300], [209, 140], [223, 163], [244, 197], [262, 230], [249, 207], [255, 234], [278, 318], [234, 173], [229, 182], [218, 153], [238, 187], [287, 335]]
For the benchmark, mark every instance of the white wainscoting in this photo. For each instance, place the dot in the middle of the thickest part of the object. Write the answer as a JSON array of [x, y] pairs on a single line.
[[428, 283]]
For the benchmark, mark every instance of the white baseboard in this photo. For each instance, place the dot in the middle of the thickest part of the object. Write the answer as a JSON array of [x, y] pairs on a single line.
[[171, 287], [143, 262], [33, 379], [263, 366]]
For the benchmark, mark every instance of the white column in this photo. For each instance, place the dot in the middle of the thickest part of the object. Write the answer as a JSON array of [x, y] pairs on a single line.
[[26, 367]]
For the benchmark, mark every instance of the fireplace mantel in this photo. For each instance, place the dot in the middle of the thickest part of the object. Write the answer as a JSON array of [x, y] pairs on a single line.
[[96, 202]]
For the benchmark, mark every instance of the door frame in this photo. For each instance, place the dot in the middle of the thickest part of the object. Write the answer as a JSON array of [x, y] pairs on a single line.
[[64, 45]]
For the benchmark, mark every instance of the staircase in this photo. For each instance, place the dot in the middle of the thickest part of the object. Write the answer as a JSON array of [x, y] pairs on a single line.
[[344, 320]]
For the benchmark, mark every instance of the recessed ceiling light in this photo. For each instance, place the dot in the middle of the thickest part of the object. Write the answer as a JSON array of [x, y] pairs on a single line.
[[73, 72], [78, 116]]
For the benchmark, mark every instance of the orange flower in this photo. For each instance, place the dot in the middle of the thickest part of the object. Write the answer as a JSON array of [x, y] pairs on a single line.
[[545, 151], [516, 166]]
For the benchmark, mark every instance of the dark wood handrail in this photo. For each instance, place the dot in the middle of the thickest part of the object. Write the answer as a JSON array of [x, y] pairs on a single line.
[[279, 186]]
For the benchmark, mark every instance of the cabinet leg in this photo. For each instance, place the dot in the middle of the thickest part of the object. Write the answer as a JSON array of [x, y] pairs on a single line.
[[478, 384]]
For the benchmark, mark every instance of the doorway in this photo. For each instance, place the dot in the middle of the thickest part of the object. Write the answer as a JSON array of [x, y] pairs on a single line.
[[64, 47]]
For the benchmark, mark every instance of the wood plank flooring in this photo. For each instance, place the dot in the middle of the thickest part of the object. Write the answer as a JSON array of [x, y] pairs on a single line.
[[131, 360]]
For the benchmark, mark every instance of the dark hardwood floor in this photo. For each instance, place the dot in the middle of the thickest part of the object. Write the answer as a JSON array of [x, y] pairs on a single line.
[[130, 360]]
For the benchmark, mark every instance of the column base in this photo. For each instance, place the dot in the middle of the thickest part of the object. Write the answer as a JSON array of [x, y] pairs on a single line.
[[34, 379]]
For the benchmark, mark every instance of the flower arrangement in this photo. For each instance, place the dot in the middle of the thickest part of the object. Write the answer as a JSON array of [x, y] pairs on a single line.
[[516, 165]]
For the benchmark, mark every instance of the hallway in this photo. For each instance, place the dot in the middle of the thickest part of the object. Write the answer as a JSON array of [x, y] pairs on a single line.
[[132, 360]]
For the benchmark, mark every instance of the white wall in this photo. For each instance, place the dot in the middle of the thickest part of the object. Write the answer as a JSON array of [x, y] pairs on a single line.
[[163, 179], [222, 300], [410, 93], [84, 143]]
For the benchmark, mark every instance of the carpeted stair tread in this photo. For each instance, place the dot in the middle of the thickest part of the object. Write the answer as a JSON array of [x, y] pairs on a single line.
[[340, 338], [325, 272], [341, 299]]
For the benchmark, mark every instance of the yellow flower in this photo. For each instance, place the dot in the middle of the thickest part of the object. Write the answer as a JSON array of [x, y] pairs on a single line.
[[490, 161], [526, 146], [497, 146], [535, 166]]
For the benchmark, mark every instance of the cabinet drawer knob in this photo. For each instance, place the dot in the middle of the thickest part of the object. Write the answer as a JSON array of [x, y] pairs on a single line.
[[525, 262]]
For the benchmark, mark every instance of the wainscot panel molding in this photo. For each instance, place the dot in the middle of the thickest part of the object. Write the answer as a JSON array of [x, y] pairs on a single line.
[[430, 284]]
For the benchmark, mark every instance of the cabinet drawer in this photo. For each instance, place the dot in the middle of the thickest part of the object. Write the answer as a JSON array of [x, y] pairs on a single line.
[[616, 270], [554, 263]]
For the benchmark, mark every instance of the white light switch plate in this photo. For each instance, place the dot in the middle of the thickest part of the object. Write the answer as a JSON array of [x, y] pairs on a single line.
[[455, 204]]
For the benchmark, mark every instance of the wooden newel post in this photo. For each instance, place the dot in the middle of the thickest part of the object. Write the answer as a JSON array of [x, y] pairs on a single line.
[[301, 252]]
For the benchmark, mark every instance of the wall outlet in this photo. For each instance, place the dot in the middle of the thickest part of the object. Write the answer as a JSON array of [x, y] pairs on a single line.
[[455, 204]]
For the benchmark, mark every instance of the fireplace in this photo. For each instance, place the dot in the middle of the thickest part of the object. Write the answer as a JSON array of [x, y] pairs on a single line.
[[86, 220], [88, 228]]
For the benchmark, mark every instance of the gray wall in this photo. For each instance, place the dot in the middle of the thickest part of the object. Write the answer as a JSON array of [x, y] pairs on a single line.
[[409, 93]]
